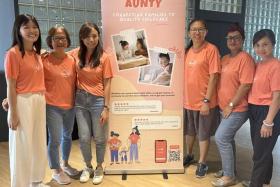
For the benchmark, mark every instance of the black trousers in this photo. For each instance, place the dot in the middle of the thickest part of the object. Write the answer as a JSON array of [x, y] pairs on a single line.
[[263, 147]]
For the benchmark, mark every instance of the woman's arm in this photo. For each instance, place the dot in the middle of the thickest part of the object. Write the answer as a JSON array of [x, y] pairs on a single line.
[[242, 90], [266, 131], [13, 120], [107, 89], [212, 84]]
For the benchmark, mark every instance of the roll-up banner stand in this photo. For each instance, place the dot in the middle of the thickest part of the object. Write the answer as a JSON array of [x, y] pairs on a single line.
[[145, 39]]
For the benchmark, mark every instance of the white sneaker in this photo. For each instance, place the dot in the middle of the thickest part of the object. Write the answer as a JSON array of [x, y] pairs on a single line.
[[98, 176], [61, 178], [69, 170], [86, 174]]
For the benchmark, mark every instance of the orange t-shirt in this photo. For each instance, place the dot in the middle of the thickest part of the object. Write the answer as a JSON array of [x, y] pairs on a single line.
[[91, 79], [198, 67], [60, 81], [235, 71], [266, 81], [114, 143], [134, 138], [27, 70]]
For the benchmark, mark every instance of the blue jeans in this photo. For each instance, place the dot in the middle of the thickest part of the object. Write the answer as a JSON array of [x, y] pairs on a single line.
[[60, 124], [225, 140], [114, 155], [134, 152], [88, 112]]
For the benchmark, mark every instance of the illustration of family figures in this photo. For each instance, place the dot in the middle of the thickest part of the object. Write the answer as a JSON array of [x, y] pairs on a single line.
[[127, 52], [116, 148]]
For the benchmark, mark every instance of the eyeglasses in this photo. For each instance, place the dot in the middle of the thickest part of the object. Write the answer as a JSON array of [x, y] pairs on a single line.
[[200, 30], [233, 38], [59, 38]]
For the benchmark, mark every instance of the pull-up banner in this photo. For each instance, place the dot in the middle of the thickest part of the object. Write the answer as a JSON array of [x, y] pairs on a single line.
[[146, 41]]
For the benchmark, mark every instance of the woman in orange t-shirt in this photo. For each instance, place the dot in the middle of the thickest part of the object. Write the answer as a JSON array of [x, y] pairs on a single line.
[[237, 75], [27, 105], [202, 67], [264, 103], [94, 75], [60, 82]]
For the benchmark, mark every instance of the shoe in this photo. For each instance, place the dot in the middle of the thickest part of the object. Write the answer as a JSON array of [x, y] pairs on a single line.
[[246, 183], [201, 170], [98, 176], [61, 178], [69, 170], [86, 174], [219, 174], [188, 160], [222, 183]]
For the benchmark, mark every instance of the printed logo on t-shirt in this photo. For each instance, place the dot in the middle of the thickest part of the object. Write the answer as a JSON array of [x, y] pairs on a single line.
[[192, 62]]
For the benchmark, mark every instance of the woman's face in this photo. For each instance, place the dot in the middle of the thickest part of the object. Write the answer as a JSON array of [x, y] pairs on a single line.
[[126, 47], [59, 40], [138, 45], [234, 41], [91, 41], [29, 32], [197, 32], [264, 48]]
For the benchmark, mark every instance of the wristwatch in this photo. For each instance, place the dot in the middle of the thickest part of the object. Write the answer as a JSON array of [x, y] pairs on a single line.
[[230, 104], [205, 100]]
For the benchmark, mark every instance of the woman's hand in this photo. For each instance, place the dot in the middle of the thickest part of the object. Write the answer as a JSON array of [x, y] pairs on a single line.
[[204, 110], [266, 131], [13, 120], [104, 116], [227, 111], [5, 104]]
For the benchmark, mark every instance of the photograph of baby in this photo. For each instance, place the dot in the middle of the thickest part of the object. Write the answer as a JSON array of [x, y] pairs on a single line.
[[159, 72], [130, 48]]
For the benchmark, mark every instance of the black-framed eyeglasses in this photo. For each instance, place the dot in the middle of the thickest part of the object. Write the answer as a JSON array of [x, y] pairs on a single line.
[[233, 38], [59, 38], [200, 30]]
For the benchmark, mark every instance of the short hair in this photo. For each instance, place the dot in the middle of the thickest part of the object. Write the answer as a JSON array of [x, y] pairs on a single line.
[[236, 27], [123, 43], [264, 33], [52, 32], [164, 55]]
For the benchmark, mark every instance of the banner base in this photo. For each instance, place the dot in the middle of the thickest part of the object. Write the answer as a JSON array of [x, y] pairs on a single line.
[[141, 171]]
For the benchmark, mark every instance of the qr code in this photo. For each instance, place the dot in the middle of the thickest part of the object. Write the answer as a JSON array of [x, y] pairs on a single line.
[[174, 156]]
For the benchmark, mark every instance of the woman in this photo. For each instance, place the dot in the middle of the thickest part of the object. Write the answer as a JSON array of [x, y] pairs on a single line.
[[163, 78], [126, 52], [264, 102], [25, 87], [134, 143], [235, 82], [202, 67], [94, 75], [60, 79], [141, 48]]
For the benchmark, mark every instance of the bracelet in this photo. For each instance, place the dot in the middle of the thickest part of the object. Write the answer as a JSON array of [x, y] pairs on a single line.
[[267, 125], [105, 106]]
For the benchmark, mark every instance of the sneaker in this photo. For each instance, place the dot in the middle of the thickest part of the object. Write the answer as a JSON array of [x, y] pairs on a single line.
[[98, 175], [245, 183], [86, 174], [61, 178], [201, 170], [69, 170], [219, 174], [222, 183], [188, 160]]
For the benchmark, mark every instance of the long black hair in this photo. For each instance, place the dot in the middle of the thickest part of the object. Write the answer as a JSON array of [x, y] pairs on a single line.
[[98, 51], [23, 19], [189, 28]]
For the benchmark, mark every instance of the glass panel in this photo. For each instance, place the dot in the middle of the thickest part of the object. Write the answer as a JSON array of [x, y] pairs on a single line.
[[54, 14], [79, 15], [67, 3], [69, 27], [67, 14], [25, 9], [40, 12], [25, 1], [80, 4], [90, 5], [44, 26], [40, 2], [55, 3], [230, 6]]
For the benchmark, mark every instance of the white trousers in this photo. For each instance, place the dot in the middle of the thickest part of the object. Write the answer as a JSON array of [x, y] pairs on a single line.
[[27, 144]]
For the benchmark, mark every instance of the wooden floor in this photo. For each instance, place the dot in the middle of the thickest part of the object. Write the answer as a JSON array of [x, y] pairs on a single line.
[[244, 164]]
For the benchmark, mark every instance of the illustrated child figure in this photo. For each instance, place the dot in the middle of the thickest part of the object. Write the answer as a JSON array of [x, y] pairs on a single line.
[[123, 154], [114, 145], [134, 145]]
